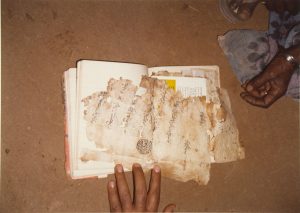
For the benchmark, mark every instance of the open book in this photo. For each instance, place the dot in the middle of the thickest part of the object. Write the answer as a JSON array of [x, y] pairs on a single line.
[[177, 117]]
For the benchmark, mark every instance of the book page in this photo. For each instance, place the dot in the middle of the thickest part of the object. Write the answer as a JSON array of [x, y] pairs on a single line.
[[149, 124], [70, 102], [209, 72], [224, 135], [209, 75], [92, 77], [187, 86]]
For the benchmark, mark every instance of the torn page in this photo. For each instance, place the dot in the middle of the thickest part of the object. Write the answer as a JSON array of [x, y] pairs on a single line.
[[152, 123]]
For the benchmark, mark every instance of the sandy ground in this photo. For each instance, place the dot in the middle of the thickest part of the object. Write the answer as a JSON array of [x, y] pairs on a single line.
[[41, 39]]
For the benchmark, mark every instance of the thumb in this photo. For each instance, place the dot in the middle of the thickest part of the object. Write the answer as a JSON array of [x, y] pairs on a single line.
[[169, 208]]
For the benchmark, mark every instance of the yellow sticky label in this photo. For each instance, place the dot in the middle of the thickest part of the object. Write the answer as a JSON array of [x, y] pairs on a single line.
[[171, 84]]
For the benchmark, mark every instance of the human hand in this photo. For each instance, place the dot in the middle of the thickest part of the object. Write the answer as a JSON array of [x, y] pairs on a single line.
[[267, 87], [280, 6], [143, 201]]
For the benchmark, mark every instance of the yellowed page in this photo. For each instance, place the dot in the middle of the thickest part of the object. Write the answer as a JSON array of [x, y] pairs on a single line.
[[93, 76]]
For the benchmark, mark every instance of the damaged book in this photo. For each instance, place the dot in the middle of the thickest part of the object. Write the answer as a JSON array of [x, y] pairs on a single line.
[[177, 117]]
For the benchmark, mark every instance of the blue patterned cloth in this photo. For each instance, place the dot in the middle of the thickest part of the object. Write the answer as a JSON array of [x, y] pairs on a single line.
[[250, 51]]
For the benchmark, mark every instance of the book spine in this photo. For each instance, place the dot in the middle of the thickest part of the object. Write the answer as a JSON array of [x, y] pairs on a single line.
[[66, 138]]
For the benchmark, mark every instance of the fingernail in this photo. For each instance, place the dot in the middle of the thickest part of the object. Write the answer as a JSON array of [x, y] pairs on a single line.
[[119, 168], [136, 165], [156, 169], [249, 87], [111, 184]]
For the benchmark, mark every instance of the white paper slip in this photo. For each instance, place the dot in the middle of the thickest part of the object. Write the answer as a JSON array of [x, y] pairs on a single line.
[[188, 86]]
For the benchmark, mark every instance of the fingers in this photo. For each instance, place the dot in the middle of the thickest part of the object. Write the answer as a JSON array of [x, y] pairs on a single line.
[[270, 92], [255, 83], [255, 101], [169, 208], [140, 188], [265, 89], [265, 101], [123, 190], [260, 92], [119, 194], [113, 197], [273, 94], [154, 190], [245, 84]]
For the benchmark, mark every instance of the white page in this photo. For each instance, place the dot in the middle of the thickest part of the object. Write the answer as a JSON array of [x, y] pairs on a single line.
[[188, 86], [209, 73], [194, 71], [93, 76]]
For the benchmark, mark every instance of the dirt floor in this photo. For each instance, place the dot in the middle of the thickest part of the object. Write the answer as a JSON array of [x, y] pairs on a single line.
[[41, 39]]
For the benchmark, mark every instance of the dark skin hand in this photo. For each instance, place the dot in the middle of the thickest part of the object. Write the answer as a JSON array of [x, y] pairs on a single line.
[[143, 201], [271, 84], [280, 6]]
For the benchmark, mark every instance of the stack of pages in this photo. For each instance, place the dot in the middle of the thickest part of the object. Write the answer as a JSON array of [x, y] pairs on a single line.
[[177, 117]]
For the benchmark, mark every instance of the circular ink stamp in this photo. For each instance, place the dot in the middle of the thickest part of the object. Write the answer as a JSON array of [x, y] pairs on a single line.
[[144, 146]]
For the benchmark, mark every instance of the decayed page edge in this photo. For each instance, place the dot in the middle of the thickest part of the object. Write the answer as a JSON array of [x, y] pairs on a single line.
[[66, 122], [229, 141], [227, 147], [96, 74]]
